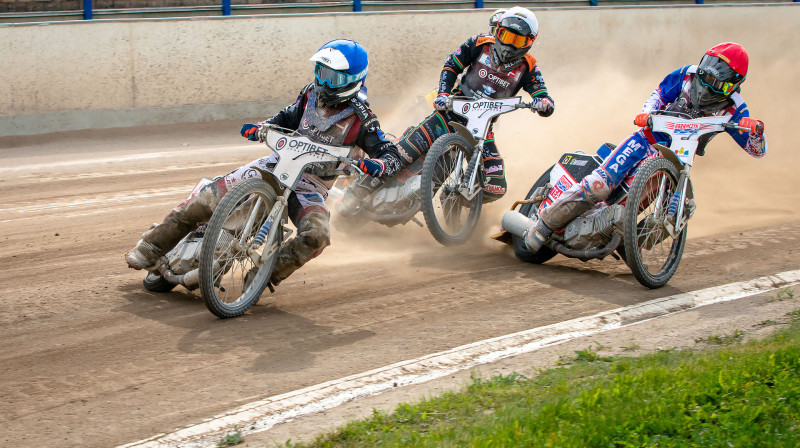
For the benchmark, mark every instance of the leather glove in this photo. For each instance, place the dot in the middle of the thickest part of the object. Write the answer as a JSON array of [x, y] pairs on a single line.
[[373, 167], [543, 106], [440, 102], [250, 131], [641, 119], [754, 126]]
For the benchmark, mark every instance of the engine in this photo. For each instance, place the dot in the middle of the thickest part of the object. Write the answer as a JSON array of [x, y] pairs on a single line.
[[593, 230], [398, 197]]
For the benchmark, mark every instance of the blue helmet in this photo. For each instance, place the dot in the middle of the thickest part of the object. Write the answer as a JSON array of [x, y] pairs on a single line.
[[341, 66]]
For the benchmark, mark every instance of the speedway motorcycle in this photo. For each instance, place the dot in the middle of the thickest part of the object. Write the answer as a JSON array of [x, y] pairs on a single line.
[[231, 257], [452, 177], [644, 220]]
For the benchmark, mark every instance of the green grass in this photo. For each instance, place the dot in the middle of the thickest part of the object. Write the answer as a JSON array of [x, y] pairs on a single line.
[[232, 439], [738, 394]]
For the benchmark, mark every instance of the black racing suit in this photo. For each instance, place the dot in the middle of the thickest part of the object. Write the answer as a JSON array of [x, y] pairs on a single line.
[[483, 77]]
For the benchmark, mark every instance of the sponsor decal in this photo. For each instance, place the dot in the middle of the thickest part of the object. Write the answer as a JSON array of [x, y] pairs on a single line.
[[566, 160], [487, 105], [488, 91], [458, 50], [482, 73], [563, 184], [579, 162], [299, 145], [494, 169], [305, 124], [620, 158], [465, 109], [497, 80], [683, 152], [683, 128], [494, 189], [555, 193], [325, 59]]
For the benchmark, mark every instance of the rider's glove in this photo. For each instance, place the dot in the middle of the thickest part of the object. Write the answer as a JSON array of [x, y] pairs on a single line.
[[755, 126], [543, 106], [250, 131], [373, 167], [641, 119], [440, 102]]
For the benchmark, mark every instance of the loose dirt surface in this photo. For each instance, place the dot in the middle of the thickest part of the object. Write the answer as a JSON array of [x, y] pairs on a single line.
[[91, 359]]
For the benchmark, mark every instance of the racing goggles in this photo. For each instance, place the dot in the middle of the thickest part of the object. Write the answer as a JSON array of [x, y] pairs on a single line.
[[710, 81], [509, 37], [334, 78]]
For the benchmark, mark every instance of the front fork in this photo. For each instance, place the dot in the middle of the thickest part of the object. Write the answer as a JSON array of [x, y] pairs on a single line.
[[267, 230], [472, 188], [675, 218]]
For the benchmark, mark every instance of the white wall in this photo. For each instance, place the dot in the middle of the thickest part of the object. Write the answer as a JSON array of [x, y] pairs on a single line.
[[79, 75]]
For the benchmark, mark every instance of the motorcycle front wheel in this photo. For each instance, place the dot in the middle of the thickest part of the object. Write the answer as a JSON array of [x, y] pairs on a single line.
[[232, 272], [650, 251], [450, 217], [520, 250]]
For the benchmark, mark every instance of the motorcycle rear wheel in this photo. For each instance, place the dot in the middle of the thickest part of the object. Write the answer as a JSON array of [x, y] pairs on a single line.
[[520, 250], [230, 281], [450, 218], [651, 253]]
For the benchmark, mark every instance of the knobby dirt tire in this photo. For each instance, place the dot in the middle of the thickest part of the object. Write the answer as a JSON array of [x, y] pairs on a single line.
[[639, 206], [242, 280], [437, 168], [520, 250]]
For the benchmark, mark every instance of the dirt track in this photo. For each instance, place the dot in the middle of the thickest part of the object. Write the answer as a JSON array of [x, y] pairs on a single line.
[[91, 359]]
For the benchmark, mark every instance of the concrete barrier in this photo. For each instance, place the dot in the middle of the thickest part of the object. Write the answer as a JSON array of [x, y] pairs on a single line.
[[100, 74]]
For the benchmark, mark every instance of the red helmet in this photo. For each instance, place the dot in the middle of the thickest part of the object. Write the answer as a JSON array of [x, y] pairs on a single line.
[[721, 71], [732, 54]]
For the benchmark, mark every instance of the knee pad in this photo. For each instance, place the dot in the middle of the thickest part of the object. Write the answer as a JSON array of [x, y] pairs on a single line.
[[314, 231], [596, 186]]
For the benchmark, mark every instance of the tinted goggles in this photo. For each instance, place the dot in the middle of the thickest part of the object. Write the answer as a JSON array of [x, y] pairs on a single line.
[[710, 81], [509, 37], [334, 78]]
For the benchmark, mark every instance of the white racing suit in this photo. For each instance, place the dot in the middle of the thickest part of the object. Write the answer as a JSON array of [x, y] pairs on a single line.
[[350, 123]]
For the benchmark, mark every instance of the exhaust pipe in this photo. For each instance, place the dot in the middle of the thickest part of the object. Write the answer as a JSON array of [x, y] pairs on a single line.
[[516, 223]]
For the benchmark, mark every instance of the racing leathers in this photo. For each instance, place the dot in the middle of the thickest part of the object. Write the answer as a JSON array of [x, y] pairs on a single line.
[[672, 94], [351, 123], [483, 77]]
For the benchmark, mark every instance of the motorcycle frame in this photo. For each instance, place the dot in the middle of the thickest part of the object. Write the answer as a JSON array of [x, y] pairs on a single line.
[[479, 114]]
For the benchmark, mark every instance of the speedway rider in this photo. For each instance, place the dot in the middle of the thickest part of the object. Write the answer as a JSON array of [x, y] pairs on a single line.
[[332, 110], [710, 88], [496, 65]]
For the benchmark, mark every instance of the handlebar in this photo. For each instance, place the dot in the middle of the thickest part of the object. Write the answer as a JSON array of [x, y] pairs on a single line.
[[533, 105], [727, 125]]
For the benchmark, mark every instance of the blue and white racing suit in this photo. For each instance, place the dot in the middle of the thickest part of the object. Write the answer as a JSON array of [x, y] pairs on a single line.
[[622, 162]]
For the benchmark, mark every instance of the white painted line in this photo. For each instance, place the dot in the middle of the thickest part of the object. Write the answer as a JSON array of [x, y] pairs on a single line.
[[263, 414], [184, 154]]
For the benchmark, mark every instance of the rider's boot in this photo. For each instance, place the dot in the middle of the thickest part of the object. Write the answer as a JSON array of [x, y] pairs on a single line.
[[313, 235], [184, 218], [537, 236]]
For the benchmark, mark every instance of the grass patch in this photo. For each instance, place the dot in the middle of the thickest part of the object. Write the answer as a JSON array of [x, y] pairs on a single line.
[[783, 294], [728, 395], [725, 339], [232, 439]]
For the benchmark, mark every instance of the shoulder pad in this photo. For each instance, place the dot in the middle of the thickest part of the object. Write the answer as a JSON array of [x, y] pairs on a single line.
[[483, 39], [531, 61], [363, 112]]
